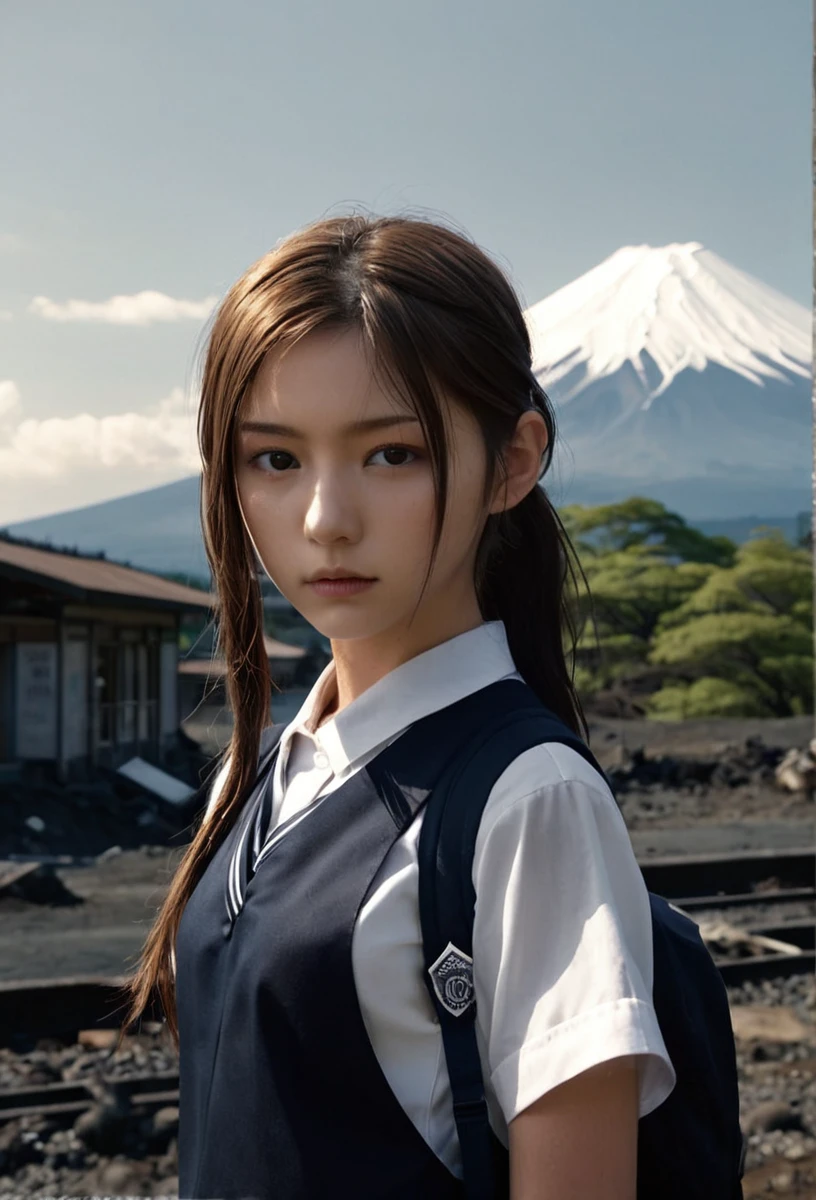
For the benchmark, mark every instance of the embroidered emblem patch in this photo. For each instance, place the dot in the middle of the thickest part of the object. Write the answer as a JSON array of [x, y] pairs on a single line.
[[452, 976]]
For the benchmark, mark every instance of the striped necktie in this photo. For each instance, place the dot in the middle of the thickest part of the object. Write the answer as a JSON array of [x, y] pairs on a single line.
[[248, 847]]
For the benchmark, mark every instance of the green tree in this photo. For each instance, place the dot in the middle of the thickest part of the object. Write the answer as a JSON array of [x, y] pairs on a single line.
[[641, 521], [629, 591], [697, 626], [768, 576], [705, 697], [767, 657]]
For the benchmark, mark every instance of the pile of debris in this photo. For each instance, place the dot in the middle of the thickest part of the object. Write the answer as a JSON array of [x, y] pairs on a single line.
[[751, 762], [43, 817], [727, 940]]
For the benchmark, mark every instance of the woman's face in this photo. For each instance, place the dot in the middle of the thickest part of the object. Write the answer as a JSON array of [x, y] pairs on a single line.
[[323, 490]]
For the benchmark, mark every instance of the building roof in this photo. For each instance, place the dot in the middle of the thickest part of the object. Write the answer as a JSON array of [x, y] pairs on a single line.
[[95, 580], [217, 666]]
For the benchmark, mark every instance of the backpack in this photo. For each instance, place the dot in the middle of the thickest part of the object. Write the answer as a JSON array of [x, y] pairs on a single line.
[[689, 1148]]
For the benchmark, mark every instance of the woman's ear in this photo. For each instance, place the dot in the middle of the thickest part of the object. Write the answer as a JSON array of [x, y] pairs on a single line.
[[522, 458]]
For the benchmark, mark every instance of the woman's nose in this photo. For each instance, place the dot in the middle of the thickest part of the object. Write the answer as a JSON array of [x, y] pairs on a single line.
[[333, 512]]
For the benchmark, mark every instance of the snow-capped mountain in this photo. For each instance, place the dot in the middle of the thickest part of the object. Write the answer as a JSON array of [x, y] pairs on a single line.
[[673, 375], [677, 375]]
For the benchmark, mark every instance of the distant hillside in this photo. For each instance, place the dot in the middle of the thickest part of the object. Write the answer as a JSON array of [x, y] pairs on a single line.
[[158, 530], [739, 530]]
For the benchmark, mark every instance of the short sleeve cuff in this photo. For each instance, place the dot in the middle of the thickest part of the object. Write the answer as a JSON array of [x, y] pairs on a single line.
[[625, 1026]]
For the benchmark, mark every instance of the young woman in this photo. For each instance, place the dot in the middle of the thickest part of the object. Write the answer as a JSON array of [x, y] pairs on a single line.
[[371, 429]]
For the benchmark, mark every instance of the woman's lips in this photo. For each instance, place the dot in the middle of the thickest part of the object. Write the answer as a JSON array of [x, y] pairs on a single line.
[[341, 587]]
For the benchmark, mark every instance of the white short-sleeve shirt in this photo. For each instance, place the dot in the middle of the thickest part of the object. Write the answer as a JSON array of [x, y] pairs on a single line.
[[562, 938]]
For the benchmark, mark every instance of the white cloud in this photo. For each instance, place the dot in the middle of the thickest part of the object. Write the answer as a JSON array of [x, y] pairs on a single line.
[[5, 315], [144, 308], [153, 447], [10, 405]]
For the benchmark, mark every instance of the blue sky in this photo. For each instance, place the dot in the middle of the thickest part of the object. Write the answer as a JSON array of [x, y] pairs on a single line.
[[164, 145]]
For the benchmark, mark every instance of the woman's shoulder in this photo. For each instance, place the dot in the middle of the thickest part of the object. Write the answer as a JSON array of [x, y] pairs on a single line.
[[549, 778], [545, 766]]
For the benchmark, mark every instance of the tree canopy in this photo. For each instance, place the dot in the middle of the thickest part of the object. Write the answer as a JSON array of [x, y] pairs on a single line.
[[697, 625]]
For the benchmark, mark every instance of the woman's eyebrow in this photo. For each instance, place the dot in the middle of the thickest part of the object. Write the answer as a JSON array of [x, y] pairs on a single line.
[[365, 426]]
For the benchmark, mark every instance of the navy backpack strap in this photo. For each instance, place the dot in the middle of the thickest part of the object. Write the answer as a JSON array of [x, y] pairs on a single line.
[[507, 719], [692, 1144]]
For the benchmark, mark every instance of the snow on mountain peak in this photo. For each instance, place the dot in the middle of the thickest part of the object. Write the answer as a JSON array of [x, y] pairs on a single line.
[[682, 305]]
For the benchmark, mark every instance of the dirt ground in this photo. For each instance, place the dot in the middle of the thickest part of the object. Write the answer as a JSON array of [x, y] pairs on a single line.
[[101, 935], [658, 771]]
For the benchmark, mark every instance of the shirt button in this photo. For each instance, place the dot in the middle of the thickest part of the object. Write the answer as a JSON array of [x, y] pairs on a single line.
[[320, 759]]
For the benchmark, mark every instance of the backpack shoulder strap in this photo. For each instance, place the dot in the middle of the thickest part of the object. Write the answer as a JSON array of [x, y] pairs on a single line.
[[509, 720]]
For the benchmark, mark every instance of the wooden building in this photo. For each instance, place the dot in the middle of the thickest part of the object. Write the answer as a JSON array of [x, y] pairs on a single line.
[[89, 654]]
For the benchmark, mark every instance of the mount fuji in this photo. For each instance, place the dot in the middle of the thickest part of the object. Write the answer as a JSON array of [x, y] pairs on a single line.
[[675, 375]]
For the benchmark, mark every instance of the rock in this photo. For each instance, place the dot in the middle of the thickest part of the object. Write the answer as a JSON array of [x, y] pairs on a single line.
[[166, 1118], [111, 852], [770, 1022], [117, 1178], [98, 1039], [796, 772], [773, 1114], [794, 1153], [164, 1128], [102, 1128], [43, 1074], [43, 886], [19, 1146]]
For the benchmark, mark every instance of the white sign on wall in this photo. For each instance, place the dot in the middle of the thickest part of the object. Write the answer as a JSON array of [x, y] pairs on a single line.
[[37, 700]]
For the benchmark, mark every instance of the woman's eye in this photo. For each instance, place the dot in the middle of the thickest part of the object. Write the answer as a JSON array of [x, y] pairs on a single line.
[[398, 450], [275, 456], [279, 468]]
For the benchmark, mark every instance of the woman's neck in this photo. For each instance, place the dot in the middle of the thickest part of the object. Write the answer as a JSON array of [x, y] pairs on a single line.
[[328, 712], [357, 666]]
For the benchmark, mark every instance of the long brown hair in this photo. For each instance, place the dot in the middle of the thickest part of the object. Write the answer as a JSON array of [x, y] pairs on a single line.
[[440, 318]]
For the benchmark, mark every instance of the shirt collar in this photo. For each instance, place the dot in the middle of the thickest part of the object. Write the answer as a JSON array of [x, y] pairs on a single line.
[[424, 684]]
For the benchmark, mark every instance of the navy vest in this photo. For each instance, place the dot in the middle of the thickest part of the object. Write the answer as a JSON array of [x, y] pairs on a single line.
[[280, 1093]]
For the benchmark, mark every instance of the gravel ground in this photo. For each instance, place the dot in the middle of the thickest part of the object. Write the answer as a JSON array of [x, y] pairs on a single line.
[[778, 1094], [110, 1150], [115, 1153]]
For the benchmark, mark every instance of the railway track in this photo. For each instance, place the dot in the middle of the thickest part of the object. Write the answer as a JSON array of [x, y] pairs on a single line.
[[722, 879], [62, 1007], [139, 1095], [770, 879]]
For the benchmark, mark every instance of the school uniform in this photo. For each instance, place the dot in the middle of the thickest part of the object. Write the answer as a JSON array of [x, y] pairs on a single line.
[[311, 1057]]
